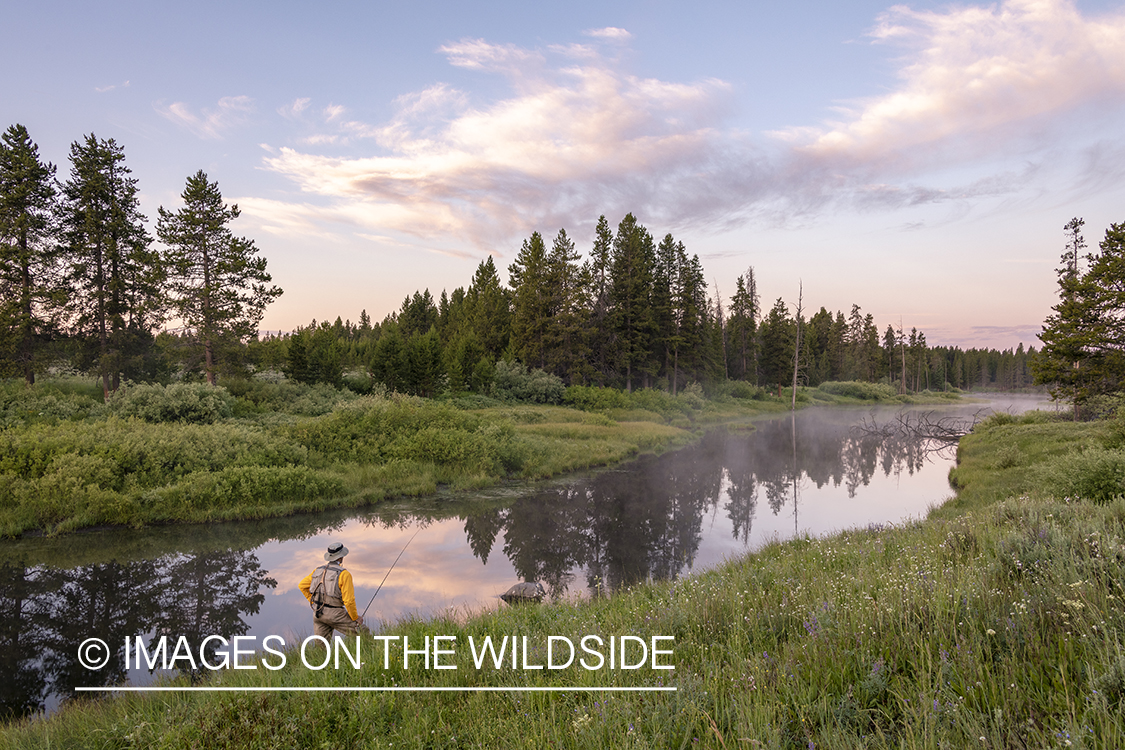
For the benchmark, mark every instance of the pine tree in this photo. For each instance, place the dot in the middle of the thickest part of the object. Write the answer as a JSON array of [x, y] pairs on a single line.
[[218, 282], [531, 302], [117, 281], [488, 310], [597, 275], [566, 344], [743, 328], [692, 312], [778, 335], [631, 274], [1069, 333], [30, 297], [665, 293]]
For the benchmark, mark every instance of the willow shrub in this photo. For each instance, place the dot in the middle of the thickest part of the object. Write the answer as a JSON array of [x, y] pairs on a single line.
[[404, 428], [194, 403], [43, 403], [860, 390], [589, 398], [1096, 474], [287, 397]]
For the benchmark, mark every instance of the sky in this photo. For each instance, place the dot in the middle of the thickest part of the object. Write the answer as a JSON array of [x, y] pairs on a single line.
[[918, 160]]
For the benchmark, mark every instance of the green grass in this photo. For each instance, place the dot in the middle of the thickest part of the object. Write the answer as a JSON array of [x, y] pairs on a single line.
[[187, 453], [996, 622]]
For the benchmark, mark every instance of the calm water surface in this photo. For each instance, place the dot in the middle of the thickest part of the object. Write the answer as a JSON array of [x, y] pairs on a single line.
[[654, 518]]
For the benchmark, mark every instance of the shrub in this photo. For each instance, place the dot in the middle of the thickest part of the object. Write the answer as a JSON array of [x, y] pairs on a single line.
[[742, 389], [692, 396], [291, 397], [194, 403], [42, 403], [1096, 474], [860, 390], [592, 398], [513, 382], [1009, 456], [243, 485]]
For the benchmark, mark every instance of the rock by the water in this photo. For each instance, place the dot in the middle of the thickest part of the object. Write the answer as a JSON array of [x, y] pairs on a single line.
[[523, 593]]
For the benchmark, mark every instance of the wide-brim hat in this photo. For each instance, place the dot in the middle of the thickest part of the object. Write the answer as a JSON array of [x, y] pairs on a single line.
[[336, 551]]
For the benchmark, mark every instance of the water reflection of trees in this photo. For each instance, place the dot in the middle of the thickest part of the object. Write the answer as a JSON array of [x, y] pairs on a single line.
[[644, 520], [47, 612]]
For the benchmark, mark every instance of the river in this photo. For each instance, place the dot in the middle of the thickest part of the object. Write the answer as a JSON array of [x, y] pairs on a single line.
[[656, 517]]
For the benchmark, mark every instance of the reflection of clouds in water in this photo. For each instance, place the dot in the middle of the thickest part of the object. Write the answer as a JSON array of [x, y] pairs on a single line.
[[433, 574]]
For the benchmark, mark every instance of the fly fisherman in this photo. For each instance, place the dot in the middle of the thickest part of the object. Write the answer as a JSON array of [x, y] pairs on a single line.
[[331, 594]]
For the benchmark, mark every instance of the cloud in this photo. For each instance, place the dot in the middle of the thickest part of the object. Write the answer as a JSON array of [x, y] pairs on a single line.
[[979, 91], [294, 109], [104, 89], [609, 32], [231, 111], [573, 141], [975, 79]]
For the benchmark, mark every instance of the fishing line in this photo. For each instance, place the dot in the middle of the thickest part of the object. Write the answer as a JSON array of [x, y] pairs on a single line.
[[408, 541]]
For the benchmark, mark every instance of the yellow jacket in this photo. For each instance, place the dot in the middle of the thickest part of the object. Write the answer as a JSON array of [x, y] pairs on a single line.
[[347, 590]]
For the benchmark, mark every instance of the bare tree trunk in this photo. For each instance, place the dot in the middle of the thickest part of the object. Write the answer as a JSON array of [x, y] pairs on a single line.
[[797, 348]]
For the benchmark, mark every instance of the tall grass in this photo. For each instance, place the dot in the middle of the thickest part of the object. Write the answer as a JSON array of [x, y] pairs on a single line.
[[189, 452]]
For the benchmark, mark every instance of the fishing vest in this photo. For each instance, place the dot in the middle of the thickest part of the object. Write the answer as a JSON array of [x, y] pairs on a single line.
[[325, 588]]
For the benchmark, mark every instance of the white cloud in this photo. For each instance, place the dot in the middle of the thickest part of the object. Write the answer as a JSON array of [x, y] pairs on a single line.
[[231, 111], [979, 91], [104, 89], [572, 142], [609, 32], [294, 109], [977, 79]]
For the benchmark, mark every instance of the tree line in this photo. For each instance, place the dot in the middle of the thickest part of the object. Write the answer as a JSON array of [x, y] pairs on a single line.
[[635, 313], [79, 270]]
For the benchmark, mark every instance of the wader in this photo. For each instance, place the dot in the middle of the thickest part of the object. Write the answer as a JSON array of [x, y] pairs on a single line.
[[328, 603]]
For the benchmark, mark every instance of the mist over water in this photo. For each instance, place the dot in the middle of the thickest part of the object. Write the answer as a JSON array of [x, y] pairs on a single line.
[[654, 518]]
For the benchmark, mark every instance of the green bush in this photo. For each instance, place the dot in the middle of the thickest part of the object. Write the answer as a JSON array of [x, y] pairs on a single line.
[[592, 398], [142, 454], [1096, 474], [1009, 456], [744, 390], [513, 382], [193, 403], [290, 397], [20, 404], [242, 486], [859, 390]]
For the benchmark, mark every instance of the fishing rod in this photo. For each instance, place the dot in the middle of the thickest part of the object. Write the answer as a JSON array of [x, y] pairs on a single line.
[[408, 541]]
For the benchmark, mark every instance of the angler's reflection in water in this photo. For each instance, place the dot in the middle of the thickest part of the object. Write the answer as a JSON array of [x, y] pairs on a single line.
[[48, 612]]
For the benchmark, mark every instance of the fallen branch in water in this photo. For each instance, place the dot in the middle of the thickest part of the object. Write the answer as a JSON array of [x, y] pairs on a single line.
[[921, 425]]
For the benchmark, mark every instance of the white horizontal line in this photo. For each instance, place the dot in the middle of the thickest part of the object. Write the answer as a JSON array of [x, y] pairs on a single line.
[[344, 688]]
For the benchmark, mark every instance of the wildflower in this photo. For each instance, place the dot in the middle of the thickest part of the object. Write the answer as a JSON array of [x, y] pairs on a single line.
[[990, 631]]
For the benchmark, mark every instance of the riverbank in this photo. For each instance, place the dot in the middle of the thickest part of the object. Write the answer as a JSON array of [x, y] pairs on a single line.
[[1003, 622], [194, 454]]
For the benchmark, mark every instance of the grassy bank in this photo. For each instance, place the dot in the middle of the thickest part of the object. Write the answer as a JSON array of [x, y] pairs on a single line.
[[192, 453], [996, 625]]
